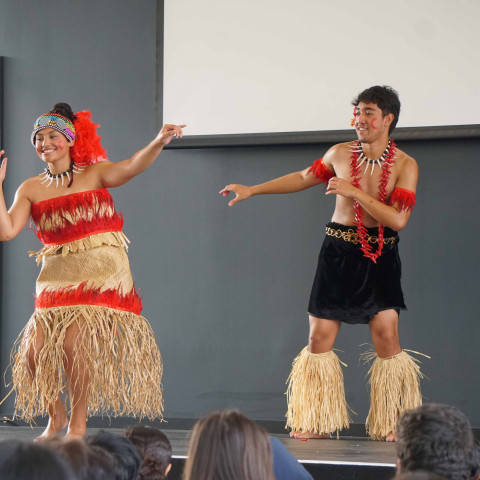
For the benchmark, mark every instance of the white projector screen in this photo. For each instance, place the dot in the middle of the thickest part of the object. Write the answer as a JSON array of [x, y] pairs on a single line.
[[263, 66]]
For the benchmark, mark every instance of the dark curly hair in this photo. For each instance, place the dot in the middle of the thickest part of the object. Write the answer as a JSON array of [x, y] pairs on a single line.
[[154, 448], [437, 438], [385, 97]]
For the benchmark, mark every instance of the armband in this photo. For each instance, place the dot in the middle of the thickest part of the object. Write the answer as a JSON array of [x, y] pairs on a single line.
[[405, 199], [321, 171]]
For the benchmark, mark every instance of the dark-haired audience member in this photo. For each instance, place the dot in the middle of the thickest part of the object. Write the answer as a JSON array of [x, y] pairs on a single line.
[[437, 438], [228, 446], [88, 462], [285, 465], [418, 475], [126, 457], [155, 450], [31, 461]]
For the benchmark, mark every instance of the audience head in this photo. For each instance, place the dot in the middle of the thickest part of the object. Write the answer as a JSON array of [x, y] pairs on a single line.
[[228, 446], [418, 475], [88, 462], [437, 438], [31, 461], [155, 450], [126, 458]]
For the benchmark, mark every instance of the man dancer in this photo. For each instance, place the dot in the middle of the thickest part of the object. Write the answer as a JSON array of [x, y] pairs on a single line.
[[358, 273]]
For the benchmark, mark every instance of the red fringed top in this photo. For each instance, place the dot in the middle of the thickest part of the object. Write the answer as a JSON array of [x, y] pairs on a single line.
[[321, 171], [404, 199], [72, 217]]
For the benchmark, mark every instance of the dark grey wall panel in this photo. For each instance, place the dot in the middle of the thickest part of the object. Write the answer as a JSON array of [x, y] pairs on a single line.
[[226, 289]]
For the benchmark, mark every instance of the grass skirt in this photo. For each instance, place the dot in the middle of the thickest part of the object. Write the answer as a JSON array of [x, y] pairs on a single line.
[[116, 348]]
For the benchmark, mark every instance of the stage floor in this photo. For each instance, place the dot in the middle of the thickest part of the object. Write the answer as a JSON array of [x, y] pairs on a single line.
[[348, 458]]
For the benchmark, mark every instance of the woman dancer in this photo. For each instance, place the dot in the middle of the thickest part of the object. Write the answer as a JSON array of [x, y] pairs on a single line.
[[86, 335]]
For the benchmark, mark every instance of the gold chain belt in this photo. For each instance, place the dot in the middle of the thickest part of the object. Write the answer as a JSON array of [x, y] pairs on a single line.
[[351, 236]]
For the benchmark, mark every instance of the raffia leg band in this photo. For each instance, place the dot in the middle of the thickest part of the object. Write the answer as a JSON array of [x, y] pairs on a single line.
[[316, 395], [394, 388]]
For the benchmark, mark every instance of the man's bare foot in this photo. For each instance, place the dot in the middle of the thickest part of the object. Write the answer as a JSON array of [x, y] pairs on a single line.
[[308, 435], [391, 437], [55, 425]]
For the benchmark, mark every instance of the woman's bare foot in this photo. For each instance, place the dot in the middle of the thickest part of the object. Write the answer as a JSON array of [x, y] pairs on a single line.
[[56, 423], [391, 437], [308, 435], [76, 430]]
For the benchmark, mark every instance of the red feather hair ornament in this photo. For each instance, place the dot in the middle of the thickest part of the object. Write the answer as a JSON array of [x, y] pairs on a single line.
[[87, 149]]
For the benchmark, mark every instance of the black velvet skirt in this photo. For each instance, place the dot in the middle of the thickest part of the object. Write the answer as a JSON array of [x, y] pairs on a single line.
[[350, 287]]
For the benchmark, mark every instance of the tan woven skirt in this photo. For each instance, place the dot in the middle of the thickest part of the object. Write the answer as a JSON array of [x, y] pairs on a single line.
[[90, 291]]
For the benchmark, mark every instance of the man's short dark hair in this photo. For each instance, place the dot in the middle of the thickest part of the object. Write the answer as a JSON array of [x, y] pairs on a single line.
[[126, 456], [437, 438], [418, 475], [27, 460], [385, 97]]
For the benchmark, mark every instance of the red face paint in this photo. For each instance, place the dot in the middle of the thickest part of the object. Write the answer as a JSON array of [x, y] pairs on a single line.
[[59, 145], [373, 122]]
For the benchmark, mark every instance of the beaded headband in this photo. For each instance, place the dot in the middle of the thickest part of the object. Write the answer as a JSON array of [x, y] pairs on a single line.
[[55, 121]]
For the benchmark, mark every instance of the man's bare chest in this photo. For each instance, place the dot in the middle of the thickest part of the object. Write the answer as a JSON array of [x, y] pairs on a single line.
[[369, 179]]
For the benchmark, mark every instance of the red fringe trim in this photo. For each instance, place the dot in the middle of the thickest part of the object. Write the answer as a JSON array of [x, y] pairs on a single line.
[[404, 199], [321, 171], [80, 206], [82, 295], [87, 149]]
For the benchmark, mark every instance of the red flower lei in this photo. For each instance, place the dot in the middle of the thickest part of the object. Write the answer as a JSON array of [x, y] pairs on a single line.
[[367, 247]]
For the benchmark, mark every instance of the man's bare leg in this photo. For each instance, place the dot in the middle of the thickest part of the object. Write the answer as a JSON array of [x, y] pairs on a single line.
[[323, 334], [58, 419], [384, 330]]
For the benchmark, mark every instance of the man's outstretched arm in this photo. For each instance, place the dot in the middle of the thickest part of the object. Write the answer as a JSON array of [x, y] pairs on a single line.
[[293, 182], [320, 171]]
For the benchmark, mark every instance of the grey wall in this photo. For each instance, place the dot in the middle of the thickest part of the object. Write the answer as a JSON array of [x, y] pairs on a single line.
[[226, 289]]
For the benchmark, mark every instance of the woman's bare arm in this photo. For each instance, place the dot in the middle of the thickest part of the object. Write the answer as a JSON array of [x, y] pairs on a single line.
[[14, 220], [116, 174]]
